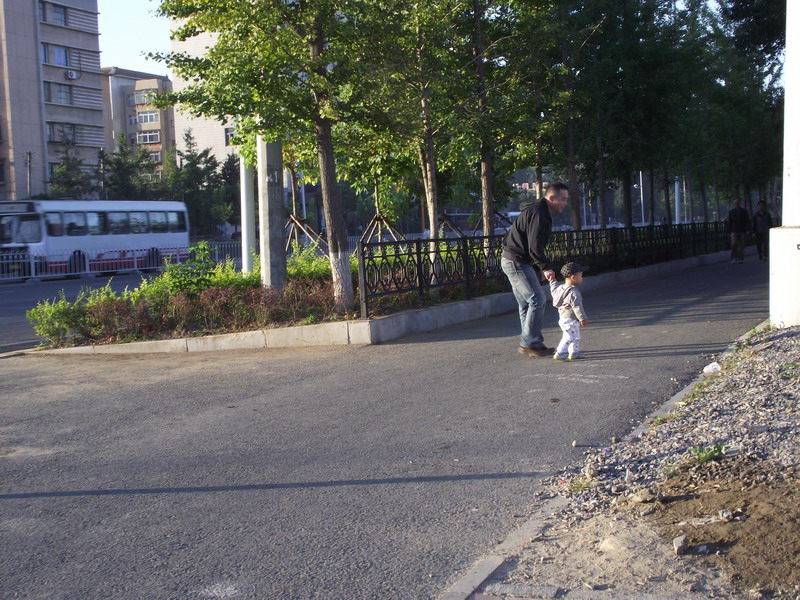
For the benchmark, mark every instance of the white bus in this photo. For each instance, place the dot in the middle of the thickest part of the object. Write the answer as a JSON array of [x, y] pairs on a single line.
[[67, 237]]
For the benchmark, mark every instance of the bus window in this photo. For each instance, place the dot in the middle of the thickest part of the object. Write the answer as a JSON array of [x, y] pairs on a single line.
[[138, 222], [177, 221], [55, 227], [158, 222], [117, 222], [75, 223], [6, 229], [30, 230], [97, 223]]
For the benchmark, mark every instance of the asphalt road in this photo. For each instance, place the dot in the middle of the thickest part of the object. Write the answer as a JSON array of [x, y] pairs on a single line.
[[337, 472]]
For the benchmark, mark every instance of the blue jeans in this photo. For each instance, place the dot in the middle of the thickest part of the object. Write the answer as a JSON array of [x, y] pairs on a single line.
[[531, 299]]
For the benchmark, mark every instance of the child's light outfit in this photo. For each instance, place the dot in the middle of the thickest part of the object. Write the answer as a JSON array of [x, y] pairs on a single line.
[[569, 302]]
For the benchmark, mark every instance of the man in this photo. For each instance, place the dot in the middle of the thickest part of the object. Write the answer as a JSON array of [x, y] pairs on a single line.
[[525, 263], [762, 222], [738, 225]]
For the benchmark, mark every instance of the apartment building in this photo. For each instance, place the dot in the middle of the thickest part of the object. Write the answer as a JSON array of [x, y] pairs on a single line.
[[50, 90], [129, 112], [207, 133]]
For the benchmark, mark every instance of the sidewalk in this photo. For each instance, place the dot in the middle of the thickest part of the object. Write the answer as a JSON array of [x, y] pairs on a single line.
[[604, 528]]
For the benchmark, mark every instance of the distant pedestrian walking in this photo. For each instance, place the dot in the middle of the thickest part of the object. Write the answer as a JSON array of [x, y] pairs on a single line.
[[525, 263], [738, 226], [762, 222], [568, 300]]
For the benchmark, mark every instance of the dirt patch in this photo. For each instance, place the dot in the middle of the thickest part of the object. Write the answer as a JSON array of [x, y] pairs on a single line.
[[748, 528]]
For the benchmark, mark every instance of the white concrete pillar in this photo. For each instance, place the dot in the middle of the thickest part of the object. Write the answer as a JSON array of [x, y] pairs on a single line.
[[248, 213], [784, 242], [271, 214]]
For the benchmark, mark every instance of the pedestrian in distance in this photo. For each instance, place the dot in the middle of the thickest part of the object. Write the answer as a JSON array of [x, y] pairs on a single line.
[[738, 226], [762, 222], [524, 261], [568, 299]]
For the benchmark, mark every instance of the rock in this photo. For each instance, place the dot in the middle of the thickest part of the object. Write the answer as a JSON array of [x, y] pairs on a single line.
[[680, 544], [643, 496]]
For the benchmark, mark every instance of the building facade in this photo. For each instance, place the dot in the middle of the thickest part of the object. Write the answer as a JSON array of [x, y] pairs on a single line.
[[50, 91], [130, 113], [207, 133]]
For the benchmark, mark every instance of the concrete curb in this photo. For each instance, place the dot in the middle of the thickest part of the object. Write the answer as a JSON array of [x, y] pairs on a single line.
[[380, 329]]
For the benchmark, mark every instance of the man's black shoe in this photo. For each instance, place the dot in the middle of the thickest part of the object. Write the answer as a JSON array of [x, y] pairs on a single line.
[[538, 352]]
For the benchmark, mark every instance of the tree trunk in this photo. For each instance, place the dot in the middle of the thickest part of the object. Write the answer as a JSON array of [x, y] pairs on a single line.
[[572, 177], [667, 211], [486, 146], [331, 201], [651, 184], [334, 219], [627, 199], [601, 185]]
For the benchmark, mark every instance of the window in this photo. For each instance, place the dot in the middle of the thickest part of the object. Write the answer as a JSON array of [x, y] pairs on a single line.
[[117, 222], [57, 93], [147, 116], [132, 138], [148, 137], [158, 222], [54, 224], [129, 101], [30, 230], [143, 96], [155, 157], [75, 223], [2, 172], [229, 133], [176, 221], [42, 14], [132, 119], [138, 222], [60, 132], [54, 55], [58, 14], [98, 223]]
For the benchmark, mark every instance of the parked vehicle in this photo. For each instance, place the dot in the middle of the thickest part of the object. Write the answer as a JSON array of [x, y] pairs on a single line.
[[63, 237]]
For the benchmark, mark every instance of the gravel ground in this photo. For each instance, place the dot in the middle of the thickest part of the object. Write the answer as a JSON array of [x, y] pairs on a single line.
[[699, 502]]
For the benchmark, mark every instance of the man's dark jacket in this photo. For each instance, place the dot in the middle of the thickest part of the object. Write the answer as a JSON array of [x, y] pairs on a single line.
[[525, 241], [738, 220]]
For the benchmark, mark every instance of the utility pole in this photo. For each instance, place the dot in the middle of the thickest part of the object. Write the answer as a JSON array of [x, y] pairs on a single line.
[[28, 167], [271, 214]]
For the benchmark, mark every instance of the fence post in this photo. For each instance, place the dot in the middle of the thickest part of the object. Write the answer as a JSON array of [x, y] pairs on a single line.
[[467, 269], [420, 272], [362, 281]]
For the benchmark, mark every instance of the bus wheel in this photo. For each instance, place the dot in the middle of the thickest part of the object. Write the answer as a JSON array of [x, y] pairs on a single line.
[[153, 259], [77, 263]]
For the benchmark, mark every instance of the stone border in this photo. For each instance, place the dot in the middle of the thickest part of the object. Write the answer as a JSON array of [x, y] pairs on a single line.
[[380, 329]]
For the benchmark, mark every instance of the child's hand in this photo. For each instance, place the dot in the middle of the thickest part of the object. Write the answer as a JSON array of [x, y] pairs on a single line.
[[550, 275], [584, 323]]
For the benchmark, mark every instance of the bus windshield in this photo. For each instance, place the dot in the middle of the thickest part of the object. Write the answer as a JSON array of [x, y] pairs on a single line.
[[20, 229]]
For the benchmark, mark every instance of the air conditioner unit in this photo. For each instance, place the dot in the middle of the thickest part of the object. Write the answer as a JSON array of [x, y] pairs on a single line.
[[71, 74]]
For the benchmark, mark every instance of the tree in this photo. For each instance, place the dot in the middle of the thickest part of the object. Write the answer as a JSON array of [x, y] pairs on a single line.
[[275, 68], [127, 171], [70, 177], [201, 187]]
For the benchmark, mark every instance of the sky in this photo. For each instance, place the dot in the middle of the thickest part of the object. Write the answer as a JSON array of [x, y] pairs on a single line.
[[129, 28]]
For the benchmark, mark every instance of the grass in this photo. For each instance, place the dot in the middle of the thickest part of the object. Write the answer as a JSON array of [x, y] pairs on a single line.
[[661, 419], [580, 484]]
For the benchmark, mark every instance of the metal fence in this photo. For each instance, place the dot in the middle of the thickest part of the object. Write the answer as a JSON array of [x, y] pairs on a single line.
[[24, 264], [418, 266]]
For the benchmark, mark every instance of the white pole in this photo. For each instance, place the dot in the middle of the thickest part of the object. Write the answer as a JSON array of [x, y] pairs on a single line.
[[641, 194], [248, 213], [784, 241], [303, 195], [677, 201]]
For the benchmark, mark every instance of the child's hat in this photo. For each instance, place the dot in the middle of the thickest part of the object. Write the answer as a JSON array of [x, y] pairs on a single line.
[[573, 267]]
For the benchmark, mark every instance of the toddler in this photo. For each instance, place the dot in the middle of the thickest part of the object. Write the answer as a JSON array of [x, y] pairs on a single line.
[[571, 316]]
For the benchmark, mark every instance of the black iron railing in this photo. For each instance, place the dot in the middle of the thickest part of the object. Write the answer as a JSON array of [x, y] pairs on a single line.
[[421, 265]]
